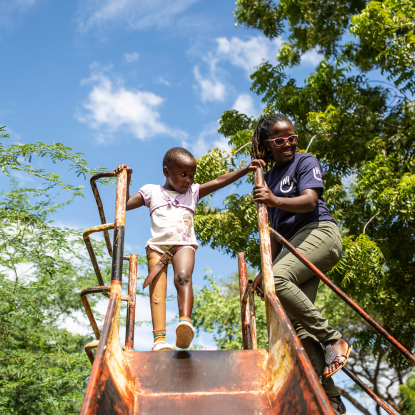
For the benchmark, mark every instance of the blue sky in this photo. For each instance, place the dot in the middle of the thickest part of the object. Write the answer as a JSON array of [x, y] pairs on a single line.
[[123, 81]]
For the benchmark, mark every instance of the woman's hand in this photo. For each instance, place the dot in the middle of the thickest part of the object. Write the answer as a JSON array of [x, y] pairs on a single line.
[[122, 167], [258, 283], [254, 164], [264, 195]]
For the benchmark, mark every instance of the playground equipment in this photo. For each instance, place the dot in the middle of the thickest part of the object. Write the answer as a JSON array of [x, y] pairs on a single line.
[[279, 380]]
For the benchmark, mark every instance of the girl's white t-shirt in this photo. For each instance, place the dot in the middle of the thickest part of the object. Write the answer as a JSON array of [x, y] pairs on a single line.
[[171, 215]]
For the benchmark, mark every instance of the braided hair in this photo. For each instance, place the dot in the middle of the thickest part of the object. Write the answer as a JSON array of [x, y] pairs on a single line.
[[261, 133]]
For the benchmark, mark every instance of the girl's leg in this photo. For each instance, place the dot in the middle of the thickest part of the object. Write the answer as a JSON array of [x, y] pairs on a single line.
[[183, 264], [158, 292]]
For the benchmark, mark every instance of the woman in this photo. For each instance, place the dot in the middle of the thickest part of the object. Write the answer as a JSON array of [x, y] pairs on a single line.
[[296, 209]]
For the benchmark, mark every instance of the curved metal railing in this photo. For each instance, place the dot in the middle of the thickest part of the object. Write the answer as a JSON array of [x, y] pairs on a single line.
[[132, 277]]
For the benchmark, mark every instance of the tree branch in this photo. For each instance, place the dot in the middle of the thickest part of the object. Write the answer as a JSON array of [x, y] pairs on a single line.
[[312, 138], [353, 401], [373, 217]]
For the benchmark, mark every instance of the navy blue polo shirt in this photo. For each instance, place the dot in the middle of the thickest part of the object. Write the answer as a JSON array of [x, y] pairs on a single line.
[[302, 172]]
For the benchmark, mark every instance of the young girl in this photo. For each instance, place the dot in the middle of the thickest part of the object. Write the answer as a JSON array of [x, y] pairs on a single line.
[[296, 208], [172, 208]]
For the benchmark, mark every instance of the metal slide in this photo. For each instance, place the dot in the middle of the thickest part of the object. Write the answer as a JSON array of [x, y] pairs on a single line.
[[279, 380]]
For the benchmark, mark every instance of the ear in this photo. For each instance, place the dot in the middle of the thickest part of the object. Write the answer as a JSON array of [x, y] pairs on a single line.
[[166, 171]]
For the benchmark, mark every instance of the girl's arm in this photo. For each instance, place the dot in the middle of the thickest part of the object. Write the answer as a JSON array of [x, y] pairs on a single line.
[[228, 178], [136, 200], [306, 202]]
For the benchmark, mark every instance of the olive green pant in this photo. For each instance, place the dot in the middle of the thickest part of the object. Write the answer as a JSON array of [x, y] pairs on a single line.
[[296, 287]]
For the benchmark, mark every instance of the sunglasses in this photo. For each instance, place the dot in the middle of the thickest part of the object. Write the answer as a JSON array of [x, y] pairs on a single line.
[[279, 141]]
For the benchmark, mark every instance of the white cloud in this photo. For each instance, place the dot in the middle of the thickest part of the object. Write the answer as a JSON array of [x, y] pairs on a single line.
[[207, 139], [311, 58], [247, 54], [11, 9], [110, 108], [211, 89], [131, 57], [245, 105], [162, 81], [143, 14]]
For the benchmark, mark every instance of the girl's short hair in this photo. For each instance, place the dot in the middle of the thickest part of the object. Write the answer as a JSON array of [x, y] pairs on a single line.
[[261, 133], [171, 157]]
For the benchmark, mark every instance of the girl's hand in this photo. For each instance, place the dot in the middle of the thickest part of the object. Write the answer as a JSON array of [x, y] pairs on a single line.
[[122, 167], [264, 195], [258, 283], [254, 164]]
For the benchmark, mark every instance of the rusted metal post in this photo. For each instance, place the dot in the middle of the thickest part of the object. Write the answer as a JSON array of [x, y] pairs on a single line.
[[119, 228], [91, 392], [90, 315], [391, 340], [132, 289], [243, 281], [85, 302], [94, 187], [252, 317], [91, 252], [372, 394], [296, 354], [265, 246], [88, 350]]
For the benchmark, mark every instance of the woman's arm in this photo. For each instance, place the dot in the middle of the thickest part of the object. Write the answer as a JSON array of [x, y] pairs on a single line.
[[228, 178], [306, 202], [136, 200]]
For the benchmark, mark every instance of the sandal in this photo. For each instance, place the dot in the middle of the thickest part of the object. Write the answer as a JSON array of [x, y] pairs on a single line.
[[341, 409], [331, 356]]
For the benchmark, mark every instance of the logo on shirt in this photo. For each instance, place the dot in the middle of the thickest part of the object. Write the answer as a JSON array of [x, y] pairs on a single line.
[[317, 173], [286, 182]]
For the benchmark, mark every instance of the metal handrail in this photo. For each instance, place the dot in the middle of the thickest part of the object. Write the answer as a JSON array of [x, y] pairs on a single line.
[[391, 340], [85, 302], [265, 228], [91, 389], [100, 228], [94, 187], [116, 279]]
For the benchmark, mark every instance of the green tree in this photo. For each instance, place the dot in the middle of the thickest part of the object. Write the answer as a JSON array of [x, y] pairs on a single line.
[[361, 127], [43, 268], [408, 395], [217, 310]]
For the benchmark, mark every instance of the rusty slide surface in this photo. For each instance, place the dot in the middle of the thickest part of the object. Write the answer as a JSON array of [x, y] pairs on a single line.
[[203, 382]]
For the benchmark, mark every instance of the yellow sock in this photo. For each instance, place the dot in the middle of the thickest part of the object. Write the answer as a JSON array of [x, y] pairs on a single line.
[[159, 335]]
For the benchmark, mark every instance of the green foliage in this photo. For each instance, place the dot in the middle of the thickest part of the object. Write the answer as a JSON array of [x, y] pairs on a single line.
[[407, 392], [312, 24], [386, 31], [43, 268], [217, 310], [14, 156]]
